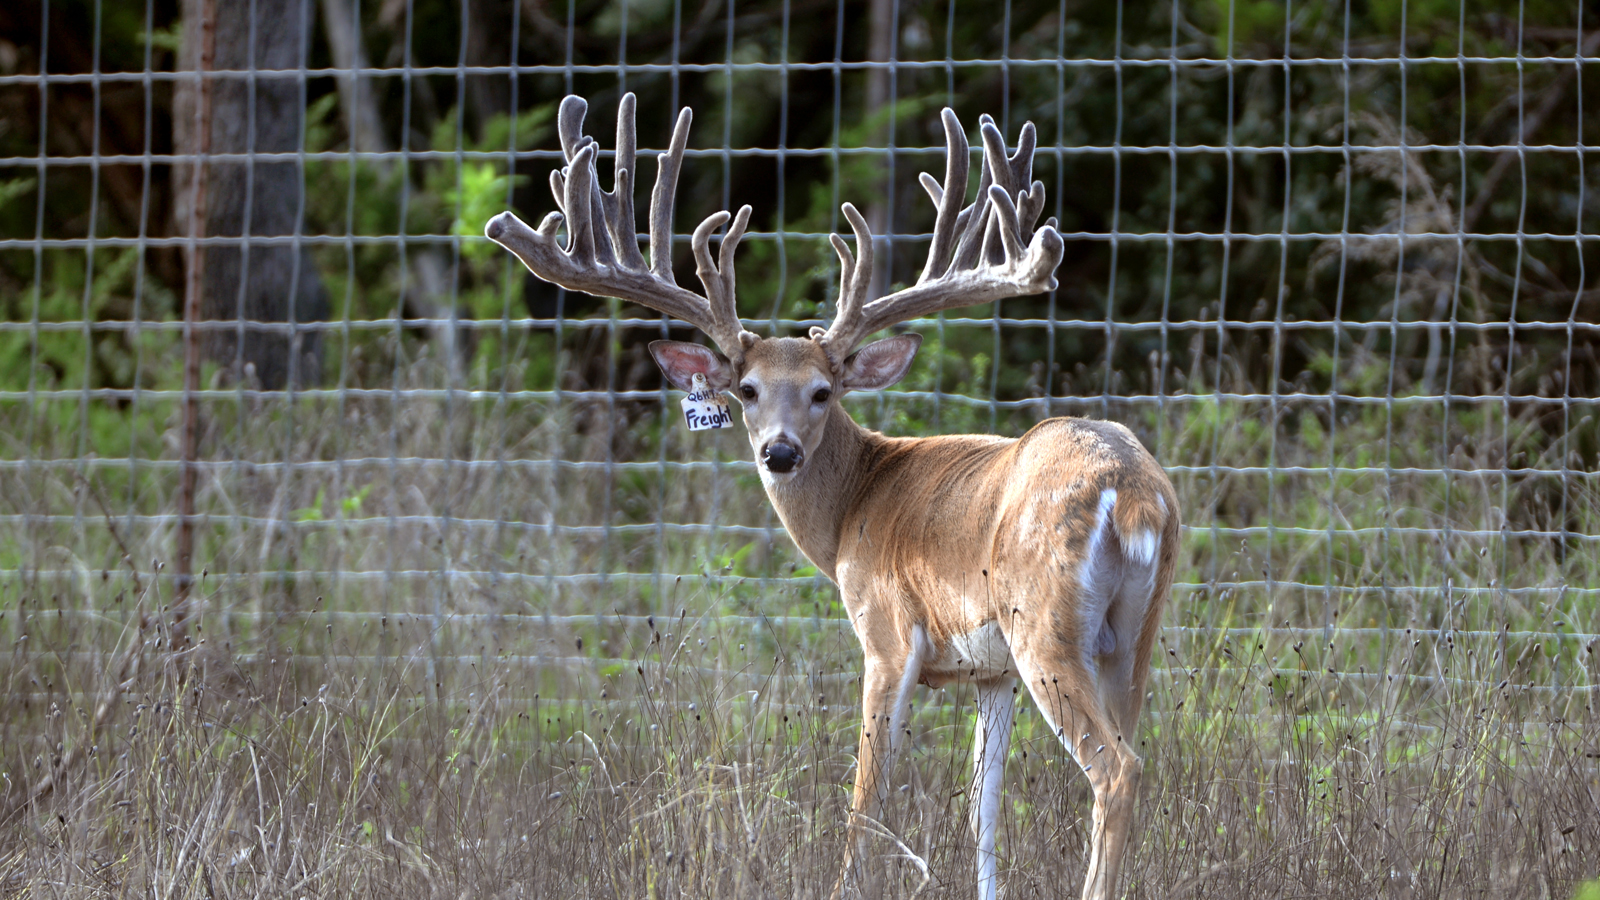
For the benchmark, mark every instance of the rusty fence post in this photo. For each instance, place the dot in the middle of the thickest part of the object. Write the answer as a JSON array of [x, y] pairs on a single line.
[[194, 279]]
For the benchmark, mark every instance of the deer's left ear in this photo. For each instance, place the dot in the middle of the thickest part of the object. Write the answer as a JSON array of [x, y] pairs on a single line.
[[880, 363], [681, 361]]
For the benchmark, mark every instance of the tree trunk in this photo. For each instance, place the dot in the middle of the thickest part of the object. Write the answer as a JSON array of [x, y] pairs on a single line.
[[257, 284], [879, 212], [360, 106]]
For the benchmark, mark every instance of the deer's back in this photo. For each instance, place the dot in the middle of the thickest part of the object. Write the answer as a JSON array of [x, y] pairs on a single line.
[[950, 523]]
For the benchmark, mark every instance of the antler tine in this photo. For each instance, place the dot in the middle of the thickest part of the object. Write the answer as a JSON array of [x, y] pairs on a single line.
[[569, 124], [619, 203], [853, 296], [661, 199], [718, 278], [605, 261], [1017, 174], [986, 251], [1013, 173], [948, 199], [1029, 193], [974, 220], [580, 211], [855, 282], [581, 168]]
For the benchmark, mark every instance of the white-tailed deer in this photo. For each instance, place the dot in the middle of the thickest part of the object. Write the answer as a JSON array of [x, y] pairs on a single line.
[[1046, 558]]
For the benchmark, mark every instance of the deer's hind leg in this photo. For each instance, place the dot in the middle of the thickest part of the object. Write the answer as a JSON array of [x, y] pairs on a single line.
[[1069, 697], [1077, 629]]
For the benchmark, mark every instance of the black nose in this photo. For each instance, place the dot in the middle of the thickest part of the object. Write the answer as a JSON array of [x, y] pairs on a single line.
[[781, 457]]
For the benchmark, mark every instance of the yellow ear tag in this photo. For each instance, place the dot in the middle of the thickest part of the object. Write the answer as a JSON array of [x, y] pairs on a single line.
[[704, 408]]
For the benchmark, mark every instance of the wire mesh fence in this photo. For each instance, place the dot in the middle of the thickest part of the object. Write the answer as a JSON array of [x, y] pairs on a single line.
[[438, 451], [1331, 265]]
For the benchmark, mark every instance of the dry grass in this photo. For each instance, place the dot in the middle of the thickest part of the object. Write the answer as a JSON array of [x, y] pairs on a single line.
[[720, 771]]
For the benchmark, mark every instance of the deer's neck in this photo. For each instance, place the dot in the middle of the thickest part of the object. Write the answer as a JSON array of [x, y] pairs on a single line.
[[814, 503]]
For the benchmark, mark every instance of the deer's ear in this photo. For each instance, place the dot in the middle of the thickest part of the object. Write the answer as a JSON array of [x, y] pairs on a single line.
[[681, 361], [880, 363]]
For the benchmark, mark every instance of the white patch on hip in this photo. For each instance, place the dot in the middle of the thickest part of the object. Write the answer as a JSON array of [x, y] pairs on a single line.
[[1098, 576], [1140, 548], [1115, 578]]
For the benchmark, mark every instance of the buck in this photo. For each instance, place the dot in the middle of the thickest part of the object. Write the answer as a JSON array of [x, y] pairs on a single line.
[[1045, 559]]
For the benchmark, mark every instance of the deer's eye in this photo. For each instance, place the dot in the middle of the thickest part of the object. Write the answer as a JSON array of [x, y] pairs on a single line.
[[821, 396], [748, 391]]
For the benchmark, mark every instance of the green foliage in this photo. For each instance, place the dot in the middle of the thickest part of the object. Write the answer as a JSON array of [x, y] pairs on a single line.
[[482, 194], [105, 286], [1238, 24], [14, 188], [169, 39], [1082, 109]]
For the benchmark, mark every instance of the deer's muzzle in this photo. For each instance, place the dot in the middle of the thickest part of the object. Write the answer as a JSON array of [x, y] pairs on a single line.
[[781, 457]]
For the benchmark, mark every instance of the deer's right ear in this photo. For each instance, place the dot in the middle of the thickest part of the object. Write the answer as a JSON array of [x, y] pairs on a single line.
[[681, 361], [880, 363]]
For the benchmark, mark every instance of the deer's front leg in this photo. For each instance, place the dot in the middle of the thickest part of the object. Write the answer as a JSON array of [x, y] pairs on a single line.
[[885, 711]]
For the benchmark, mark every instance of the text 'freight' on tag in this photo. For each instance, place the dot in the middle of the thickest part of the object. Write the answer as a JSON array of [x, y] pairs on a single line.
[[704, 408]]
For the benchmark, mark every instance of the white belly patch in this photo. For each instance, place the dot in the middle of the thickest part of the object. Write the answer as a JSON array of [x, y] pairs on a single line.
[[981, 653]]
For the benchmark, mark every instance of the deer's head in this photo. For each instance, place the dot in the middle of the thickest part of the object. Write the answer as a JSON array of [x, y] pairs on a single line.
[[787, 386]]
